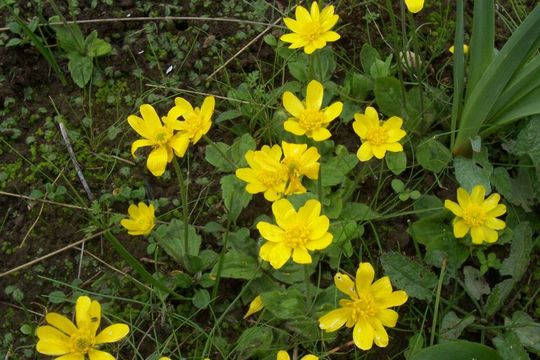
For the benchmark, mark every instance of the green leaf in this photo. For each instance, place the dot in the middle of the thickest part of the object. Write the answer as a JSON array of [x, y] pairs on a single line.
[[416, 343], [470, 173], [358, 212], [475, 284], [432, 155], [527, 142], [237, 265], [500, 292], [526, 329], [409, 275], [517, 190], [57, 297], [388, 97], [357, 86], [509, 347], [98, 47], [80, 68], [517, 263], [454, 350], [218, 153], [170, 238], [299, 70], [452, 326], [254, 340], [368, 55], [445, 246], [424, 205], [69, 36], [201, 299], [324, 64], [396, 162], [235, 197], [284, 304]]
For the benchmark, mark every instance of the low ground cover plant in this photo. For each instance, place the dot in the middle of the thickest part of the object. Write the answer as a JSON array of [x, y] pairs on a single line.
[[283, 195]]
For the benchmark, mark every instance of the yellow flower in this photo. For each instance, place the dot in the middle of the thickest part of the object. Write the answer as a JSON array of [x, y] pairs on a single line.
[[300, 161], [282, 355], [477, 215], [62, 337], [465, 49], [164, 358], [158, 135], [141, 219], [311, 30], [296, 233], [255, 306], [367, 310], [308, 118], [377, 137], [266, 172], [414, 6], [196, 123]]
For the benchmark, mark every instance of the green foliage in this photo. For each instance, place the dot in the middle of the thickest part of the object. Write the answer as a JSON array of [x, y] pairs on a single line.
[[457, 350], [432, 155]]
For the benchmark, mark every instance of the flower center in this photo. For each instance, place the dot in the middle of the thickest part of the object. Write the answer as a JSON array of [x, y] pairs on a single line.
[[313, 32], [296, 236], [311, 119], [474, 215], [81, 342], [271, 178], [162, 136], [377, 136], [194, 122], [364, 307]]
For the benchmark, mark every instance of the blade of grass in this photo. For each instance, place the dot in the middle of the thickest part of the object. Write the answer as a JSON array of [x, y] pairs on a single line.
[[458, 73]]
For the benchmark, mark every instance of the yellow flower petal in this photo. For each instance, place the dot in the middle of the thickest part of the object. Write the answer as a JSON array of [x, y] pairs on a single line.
[[309, 357], [365, 152], [360, 127], [61, 322], [314, 95], [270, 232], [394, 135], [51, 347], [183, 105], [310, 211], [301, 256], [414, 6], [371, 118], [394, 147], [138, 144], [396, 298], [490, 234], [179, 143], [82, 311], [364, 277], [477, 194], [294, 127], [330, 36], [294, 25], [319, 227], [491, 202], [71, 357], [381, 288], [320, 134], [151, 118], [282, 355], [498, 211], [284, 212], [345, 284], [495, 224], [363, 335], [266, 250], [207, 108], [388, 317], [279, 255], [333, 111], [292, 104], [302, 15], [477, 235], [463, 197], [335, 319], [380, 335], [320, 243], [51, 334], [461, 228], [255, 306], [112, 333], [139, 126], [157, 161], [378, 151], [393, 123], [94, 354], [453, 207]]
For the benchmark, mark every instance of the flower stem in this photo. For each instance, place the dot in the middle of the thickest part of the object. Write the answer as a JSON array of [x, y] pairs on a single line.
[[183, 198], [308, 290], [221, 257], [437, 301]]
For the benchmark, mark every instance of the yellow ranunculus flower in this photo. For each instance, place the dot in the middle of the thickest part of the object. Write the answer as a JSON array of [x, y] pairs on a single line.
[[196, 123], [377, 137], [477, 215], [283, 355], [300, 161], [158, 135], [311, 30], [255, 306], [164, 358], [296, 233], [141, 219], [308, 118], [265, 173], [62, 337], [465, 49], [414, 6], [368, 308]]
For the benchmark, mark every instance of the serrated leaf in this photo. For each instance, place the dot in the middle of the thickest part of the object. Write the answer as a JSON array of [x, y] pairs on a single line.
[[496, 299], [452, 326], [432, 155], [409, 275], [454, 350], [517, 262]]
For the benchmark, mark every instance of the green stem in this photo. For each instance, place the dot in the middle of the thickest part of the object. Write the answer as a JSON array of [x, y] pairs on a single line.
[[183, 198], [437, 301], [308, 290], [221, 257]]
